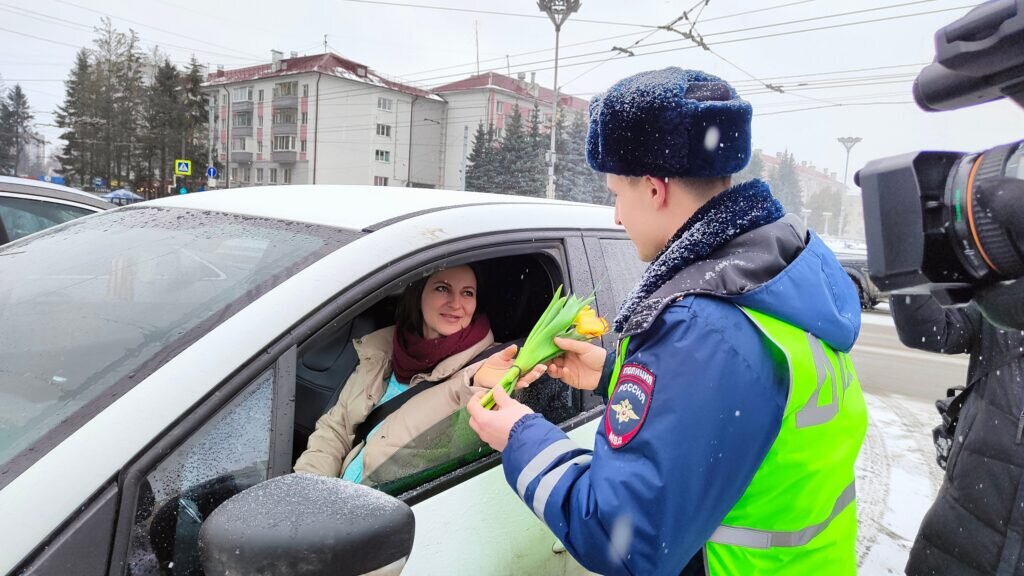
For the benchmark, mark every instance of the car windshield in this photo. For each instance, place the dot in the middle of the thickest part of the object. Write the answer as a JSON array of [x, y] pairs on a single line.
[[108, 299]]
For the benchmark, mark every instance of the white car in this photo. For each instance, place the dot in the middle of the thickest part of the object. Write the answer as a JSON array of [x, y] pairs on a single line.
[[157, 359], [28, 206]]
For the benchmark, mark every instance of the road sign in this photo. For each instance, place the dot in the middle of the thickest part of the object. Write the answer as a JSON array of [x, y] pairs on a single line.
[[97, 182], [182, 190], [183, 167], [211, 172]]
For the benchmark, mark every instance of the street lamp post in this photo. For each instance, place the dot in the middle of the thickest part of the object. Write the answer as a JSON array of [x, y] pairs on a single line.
[[848, 142], [558, 11]]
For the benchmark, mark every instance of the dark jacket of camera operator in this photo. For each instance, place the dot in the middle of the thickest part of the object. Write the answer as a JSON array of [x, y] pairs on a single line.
[[976, 525]]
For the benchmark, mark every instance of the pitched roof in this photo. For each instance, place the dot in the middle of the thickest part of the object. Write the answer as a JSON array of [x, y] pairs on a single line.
[[500, 81], [328, 63]]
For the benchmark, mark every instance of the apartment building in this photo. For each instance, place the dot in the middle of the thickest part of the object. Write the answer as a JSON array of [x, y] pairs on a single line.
[[489, 98], [323, 119]]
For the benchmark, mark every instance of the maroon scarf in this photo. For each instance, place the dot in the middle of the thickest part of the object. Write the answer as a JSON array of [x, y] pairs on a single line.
[[413, 354]]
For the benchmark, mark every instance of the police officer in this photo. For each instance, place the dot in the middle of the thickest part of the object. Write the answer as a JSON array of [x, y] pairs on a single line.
[[733, 414]]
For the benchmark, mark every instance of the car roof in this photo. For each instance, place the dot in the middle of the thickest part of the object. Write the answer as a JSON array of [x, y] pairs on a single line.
[[51, 191], [345, 206]]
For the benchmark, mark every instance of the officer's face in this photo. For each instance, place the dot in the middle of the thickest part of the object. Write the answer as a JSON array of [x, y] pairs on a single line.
[[636, 210]]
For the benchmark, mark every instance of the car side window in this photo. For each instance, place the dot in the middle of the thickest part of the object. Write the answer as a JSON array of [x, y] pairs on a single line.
[[21, 216], [226, 455], [624, 267], [411, 449]]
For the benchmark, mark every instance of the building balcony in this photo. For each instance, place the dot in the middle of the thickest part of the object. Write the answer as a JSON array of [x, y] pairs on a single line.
[[285, 102], [241, 131], [284, 156], [243, 106], [284, 129], [241, 156]]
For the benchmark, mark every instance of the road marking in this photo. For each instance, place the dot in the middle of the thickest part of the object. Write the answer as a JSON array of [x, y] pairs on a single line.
[[911, 355], [877, 320]]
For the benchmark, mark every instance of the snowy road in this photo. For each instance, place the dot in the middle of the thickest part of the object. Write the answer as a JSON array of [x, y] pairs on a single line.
[[897, 480], [897, 477]]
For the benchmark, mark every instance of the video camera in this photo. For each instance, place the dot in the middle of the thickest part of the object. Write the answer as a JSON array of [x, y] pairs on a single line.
[[953, 222]]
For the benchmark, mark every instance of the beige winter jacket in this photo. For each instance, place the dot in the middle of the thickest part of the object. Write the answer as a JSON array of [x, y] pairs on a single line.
[[330, 449]]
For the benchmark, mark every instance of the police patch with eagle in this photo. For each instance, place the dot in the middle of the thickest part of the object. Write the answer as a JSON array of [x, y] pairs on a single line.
[[628, 405]]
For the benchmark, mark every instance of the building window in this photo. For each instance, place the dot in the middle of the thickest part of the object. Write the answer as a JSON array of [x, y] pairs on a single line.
[[380, 181], [287, 175], [260, 97], [382, 155], [501, 108], [384, 130], [246, 174], [498, 132], [385, 104], [259, 146], [284, 144], [242, 119], [302, 145], [284, 116], [238, 144], [273, 175], [242, 94], [259, 175], [305, 90], [305, 118], [260, 121], [234, 173], [286, 89]]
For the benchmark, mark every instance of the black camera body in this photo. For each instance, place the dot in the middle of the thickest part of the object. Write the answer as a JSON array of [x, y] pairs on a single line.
[[953, 222]]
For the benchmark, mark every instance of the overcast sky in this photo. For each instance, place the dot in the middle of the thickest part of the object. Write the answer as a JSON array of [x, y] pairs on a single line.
[[39, 38]]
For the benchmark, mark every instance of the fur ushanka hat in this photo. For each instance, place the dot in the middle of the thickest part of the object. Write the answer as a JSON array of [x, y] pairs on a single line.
[[669, 123]]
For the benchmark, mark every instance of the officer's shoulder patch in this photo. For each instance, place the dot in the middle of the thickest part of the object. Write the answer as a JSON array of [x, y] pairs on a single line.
[[628, 405]]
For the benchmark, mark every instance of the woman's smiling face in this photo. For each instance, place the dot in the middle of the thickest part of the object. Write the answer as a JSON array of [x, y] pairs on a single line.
[[448, 302]]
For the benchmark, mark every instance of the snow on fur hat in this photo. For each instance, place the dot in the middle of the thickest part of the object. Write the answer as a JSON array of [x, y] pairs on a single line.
[[669, 123]]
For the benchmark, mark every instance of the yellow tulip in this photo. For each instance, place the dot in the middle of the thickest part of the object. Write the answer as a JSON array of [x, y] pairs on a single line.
[[589, 324]]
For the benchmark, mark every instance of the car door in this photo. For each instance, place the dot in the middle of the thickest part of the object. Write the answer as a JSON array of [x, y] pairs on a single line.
[[468, 520]]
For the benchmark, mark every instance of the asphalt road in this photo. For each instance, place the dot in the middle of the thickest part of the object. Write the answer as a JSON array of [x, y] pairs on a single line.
[[885, 366]]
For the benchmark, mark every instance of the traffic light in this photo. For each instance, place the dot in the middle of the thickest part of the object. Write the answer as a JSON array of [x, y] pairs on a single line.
[[183, 190]]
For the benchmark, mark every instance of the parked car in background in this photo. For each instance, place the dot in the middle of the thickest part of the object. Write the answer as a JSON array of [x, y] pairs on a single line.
[[855, 262], [28, 206]]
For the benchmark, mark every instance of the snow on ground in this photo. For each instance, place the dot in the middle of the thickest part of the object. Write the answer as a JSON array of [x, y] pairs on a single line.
[[897, 480]]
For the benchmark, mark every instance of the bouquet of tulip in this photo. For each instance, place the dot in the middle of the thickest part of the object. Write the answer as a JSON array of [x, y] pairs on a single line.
[[565, 317]]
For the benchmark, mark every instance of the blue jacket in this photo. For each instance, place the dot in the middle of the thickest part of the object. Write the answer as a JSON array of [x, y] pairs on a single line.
[[701, 429]]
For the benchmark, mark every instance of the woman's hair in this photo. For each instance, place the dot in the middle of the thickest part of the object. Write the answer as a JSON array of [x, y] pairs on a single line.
[[409, 315]]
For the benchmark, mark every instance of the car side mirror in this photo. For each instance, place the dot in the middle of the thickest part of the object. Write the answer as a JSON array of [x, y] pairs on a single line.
[[307, 525]]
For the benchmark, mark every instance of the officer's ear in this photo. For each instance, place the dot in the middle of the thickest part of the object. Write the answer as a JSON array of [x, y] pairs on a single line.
[[656, 189]]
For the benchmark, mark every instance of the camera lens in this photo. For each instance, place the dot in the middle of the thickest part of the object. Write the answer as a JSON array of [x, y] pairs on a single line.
[[984, 247]]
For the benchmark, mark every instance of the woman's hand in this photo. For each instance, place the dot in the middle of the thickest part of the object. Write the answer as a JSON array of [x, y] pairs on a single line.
[[494, 368], [580, 366]]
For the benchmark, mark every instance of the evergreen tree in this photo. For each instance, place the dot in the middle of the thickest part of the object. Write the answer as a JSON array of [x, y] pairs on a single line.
[[480, 166], [753, 169], [577, 182], [15, 129], [827, 199], [165, 117], [196, 116], [72, 117], [517, 161], [786, 185], [129, 108]]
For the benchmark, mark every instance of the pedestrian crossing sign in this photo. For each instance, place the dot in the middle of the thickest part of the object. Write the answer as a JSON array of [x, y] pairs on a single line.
[[183, 167]]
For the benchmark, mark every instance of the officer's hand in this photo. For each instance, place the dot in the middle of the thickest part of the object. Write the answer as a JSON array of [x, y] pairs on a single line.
[[494, 426], [580, 366], [494, 368]]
